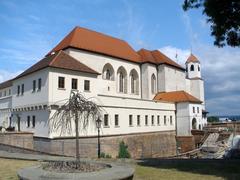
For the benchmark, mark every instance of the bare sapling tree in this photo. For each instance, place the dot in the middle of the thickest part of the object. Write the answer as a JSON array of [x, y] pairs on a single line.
[[78, 110]]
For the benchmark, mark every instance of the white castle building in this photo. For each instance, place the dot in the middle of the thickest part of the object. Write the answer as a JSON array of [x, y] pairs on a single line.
[[140, 91]]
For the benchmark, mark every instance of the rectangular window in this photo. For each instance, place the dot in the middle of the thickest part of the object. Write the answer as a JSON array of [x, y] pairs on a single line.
[[171, 121], [61, 82], [33, 121], [9, 92], [165, 120], [74, 83], [22, 89], [106, 122], [34, 85], [193, 109], [39, 84], [152, 120], [18, 90], [116, 120], [28, 121], [86, 85], [158, 120], [197, 109], [5, 93], [146, 120], [130, 120], [138, 120]]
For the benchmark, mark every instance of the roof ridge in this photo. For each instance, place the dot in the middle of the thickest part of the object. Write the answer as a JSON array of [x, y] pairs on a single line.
[[54, 59]]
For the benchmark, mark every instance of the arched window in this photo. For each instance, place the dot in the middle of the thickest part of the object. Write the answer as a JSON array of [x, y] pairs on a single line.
[[192, 67], [153, 84], [198, 68], [108, 72], [194, 123], [134, 82], [122, 80]]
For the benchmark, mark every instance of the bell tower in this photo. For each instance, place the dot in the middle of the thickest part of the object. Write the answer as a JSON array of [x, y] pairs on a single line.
[[193, 67]]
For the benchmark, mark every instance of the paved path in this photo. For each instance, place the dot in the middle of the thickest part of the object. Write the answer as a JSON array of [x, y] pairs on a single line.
[[34, 157]]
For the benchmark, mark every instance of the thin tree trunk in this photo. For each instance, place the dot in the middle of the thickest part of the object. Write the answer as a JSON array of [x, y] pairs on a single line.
[[77, 138]]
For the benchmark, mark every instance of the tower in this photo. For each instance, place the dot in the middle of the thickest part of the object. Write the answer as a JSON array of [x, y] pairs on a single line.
[[193, 67]]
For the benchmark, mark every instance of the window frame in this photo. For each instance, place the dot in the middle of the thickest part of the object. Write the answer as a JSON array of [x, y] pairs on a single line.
[[33, 121], [74, 84], [106, 120], [39, 84], [87, 84], [116, 119], [61, 82]]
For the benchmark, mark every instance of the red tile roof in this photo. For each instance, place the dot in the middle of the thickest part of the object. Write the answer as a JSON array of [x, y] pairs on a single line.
[[85, 39], [157, 57], [6, 84], [192, 58], [58, 60], [176, 96]]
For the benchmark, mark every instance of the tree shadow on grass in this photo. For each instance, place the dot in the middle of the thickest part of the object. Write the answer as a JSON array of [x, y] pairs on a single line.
[[227, 169]]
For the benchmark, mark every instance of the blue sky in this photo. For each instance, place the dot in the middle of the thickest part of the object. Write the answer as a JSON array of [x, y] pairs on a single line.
[[29, 29]]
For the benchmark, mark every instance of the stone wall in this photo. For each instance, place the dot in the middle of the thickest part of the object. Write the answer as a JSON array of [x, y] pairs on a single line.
[[231, 126], [18, 139], [186, 143], [157, 144]]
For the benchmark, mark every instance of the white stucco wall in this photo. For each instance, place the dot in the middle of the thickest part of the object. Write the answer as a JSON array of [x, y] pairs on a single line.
[[197, 88], [57, 95], [171, 79], [185, 115], [196, 72], [97, 62], [125, 107], [41, 128], [30, 98]]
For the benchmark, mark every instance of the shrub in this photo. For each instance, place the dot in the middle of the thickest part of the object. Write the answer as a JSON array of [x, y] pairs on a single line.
[[123, 150], [104, 155]]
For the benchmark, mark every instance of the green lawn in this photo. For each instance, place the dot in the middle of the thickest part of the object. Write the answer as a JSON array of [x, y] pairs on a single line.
[[145, 171], [188, 170], [9, 168]]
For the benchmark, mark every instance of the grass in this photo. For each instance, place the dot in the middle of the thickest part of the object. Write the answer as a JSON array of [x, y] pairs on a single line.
[[9, 168], [180, 170], [188, 170]]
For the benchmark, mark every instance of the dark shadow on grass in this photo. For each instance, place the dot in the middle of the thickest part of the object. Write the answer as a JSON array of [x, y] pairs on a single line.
[[227, 169]]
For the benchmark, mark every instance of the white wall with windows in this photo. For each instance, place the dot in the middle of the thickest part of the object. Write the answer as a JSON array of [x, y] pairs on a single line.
[[189, 116], [23, 92], [61, 84], [35, 121], [127, 115], [119, 70]]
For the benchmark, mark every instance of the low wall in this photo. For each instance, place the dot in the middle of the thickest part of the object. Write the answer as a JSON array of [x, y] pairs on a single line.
[[186, 143], [157, 144], [232, 126], [18, 139]]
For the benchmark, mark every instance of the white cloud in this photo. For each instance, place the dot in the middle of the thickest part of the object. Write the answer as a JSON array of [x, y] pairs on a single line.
[[182, 54], [6, 75]]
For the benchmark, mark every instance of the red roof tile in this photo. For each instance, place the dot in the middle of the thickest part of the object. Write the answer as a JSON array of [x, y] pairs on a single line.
[[157, 57], [176, 96], [85, 39], [59, 60], [192, 58]]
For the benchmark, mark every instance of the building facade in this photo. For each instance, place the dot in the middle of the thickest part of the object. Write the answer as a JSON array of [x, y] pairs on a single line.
[[140, 91]]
